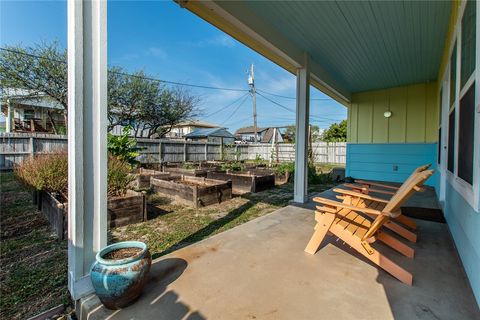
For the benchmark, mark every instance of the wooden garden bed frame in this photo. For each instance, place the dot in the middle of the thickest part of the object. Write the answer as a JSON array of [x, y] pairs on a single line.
[[244, 182], [202, 192], [122, 211]]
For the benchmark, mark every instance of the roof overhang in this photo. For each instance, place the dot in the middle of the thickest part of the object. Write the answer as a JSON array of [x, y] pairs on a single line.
[[352, 46]]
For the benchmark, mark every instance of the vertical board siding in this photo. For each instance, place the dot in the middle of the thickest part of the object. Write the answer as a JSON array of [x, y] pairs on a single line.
[[464, 223], [414, 115], [377, 161], [15, 147]]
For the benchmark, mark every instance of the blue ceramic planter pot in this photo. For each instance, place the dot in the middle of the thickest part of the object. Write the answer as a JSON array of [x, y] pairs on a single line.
[[117, 283]]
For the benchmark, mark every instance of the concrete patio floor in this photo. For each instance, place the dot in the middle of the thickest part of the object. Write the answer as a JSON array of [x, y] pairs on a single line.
[[259, 271]]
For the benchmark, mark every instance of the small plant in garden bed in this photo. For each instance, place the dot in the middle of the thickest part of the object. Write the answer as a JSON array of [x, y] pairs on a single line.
[[189, 165], [233, 166]]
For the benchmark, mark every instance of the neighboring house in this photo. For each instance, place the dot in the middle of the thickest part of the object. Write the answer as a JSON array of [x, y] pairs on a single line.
[[182, 129], [265, 135], [24, 112], [218, 135]]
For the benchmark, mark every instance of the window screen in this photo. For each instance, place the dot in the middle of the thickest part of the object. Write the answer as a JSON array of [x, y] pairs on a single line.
[[453, 73], [451, 141], [468, 43], [466, 130]]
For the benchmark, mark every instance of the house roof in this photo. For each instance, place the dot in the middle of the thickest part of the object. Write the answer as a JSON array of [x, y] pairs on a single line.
[[28, 98], [210, 132], [249, 129], [196, 123], [268, 135]]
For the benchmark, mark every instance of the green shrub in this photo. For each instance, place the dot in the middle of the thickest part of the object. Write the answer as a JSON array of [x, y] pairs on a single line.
[[124, 147]]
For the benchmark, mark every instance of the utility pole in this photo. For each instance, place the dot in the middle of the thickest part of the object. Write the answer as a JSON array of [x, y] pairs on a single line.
[[251, 83]]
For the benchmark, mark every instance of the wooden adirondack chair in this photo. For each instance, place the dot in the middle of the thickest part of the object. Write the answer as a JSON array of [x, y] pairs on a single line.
[[365, 187], [344, 220]]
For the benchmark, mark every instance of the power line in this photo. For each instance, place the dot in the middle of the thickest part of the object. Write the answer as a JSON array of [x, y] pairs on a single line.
[[292, 98], [225, 107], [136, 76], [291, 110], [234, 111]]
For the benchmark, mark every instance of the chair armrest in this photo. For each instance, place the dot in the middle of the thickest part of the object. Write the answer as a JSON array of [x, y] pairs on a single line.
[[371, 183], [359, 195], [367, 189], [341, 205]]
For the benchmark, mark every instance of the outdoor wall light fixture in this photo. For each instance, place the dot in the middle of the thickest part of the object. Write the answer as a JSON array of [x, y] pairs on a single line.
[[387, 114]]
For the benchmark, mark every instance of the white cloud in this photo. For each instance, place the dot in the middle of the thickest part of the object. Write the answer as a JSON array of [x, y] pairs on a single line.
[[222, 40], [157, 52]]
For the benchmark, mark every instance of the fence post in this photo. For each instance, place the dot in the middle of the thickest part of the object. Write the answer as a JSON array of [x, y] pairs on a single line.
[[236, 153], [184, 152], [32, 147], [206, 151], [160, 152]]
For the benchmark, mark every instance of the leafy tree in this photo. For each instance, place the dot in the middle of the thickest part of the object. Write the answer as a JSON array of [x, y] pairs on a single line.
[[41, 70], [337, 132], [290, 132], [133, 100]]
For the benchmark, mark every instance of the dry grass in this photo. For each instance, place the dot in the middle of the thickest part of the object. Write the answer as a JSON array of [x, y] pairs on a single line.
[[33, 264]]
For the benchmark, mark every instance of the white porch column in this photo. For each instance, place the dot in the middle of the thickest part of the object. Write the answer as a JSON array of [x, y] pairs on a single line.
[[87, 139], [9, 125], [301, 135]]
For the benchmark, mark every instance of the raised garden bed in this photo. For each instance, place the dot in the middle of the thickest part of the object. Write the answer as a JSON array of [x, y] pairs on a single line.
[[128, 209], [194, 191], [244, 182], [186, 172], [280, 178], [142, 178]]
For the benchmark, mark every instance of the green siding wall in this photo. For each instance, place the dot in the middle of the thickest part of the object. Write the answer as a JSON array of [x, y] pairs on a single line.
[[414, 115]]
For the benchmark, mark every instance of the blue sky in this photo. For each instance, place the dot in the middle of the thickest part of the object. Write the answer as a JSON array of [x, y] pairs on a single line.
[[171, 43]]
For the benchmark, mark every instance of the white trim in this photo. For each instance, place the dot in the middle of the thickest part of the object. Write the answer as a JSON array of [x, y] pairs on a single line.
[[467, 85], [470, 192]]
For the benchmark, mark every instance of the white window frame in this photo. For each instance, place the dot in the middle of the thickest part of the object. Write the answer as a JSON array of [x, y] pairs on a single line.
[[470, 192]]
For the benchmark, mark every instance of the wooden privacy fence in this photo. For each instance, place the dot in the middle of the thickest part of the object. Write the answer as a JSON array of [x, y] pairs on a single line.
[[14, 147]]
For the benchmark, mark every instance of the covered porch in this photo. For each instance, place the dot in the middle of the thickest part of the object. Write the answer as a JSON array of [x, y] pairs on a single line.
[[389, 64], [259, 271]]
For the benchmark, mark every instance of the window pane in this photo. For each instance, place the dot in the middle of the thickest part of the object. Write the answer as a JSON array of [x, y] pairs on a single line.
[[451, 141], [466, 133], [468, 42], [453, 73]]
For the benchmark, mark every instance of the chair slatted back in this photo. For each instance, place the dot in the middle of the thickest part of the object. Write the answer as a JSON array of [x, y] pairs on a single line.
[[398, 199]]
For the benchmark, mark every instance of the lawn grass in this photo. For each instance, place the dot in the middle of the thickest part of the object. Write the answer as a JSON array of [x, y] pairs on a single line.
[[172, 226], [33, 264]]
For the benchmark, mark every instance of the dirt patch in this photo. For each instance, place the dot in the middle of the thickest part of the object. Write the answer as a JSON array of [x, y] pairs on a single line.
[[122, 253]]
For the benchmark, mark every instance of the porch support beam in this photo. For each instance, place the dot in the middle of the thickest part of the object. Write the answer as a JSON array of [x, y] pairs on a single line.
[[87, 138], [301, 134], [9, 125]]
